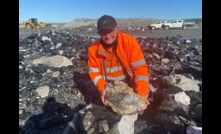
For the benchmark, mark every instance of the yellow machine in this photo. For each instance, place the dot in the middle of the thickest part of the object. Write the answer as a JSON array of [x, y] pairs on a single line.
[[33, 23]]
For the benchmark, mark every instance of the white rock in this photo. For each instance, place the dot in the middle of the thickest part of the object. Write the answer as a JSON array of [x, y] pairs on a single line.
[[188, 41], [43, 91], [61, 52], [48, 71], [193, 130], [186, 84], [182, 97], [152, 89], [54, 61], [156, 56], [126, 124], [45, 38], [74, 50], [55, 74], [21, 111], [58, 45], [165, 60]]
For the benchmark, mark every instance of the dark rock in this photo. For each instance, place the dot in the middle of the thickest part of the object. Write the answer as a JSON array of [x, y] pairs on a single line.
[[32, 36], [40, 68], [51, 122], [21, 57]]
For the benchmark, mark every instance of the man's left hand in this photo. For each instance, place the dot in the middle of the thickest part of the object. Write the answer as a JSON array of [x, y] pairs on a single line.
[[146, 102]]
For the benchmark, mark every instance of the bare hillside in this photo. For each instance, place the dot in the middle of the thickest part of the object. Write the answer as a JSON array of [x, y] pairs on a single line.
[[120, 21]]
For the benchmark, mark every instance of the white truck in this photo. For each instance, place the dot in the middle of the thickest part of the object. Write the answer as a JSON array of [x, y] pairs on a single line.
[[157, 25], [180, 24]]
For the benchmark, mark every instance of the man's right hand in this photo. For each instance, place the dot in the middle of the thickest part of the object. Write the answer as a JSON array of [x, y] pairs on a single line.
[[103, 95]]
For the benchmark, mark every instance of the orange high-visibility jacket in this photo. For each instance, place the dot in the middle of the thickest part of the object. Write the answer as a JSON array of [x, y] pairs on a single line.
[[130, 55]]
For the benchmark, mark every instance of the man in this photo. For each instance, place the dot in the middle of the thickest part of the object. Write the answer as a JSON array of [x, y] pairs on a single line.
[[117, 56]]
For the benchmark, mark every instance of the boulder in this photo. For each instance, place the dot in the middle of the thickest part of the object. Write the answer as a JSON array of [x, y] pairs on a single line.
[[122, 99]]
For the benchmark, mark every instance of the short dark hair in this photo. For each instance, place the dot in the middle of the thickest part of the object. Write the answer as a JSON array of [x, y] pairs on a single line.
[[106, 22]]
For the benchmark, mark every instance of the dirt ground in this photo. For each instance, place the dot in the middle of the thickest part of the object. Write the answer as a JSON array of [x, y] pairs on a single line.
[[187, 33]]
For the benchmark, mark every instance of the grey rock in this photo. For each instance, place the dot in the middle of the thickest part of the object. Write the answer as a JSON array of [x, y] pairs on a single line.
[[126, 124], [193, 130], [43, 91], [88, 120], [186, 84], [122, 99], [70, 129], [103, 126]]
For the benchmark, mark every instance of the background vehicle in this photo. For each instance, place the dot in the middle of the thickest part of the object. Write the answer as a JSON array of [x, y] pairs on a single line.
[[157, 25], [178, 24], [33, 23]]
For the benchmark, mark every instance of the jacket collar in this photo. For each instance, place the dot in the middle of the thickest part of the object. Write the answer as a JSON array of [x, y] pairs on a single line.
[[101, 49]]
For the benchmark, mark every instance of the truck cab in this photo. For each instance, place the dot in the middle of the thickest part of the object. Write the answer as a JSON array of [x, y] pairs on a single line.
[[173, 24], [156, 25], [34, 20]]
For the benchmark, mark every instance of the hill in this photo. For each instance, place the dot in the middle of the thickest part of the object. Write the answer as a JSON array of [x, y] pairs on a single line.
[[122, 22]]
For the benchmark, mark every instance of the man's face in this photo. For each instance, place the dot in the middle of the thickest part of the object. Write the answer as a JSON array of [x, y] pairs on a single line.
[[108, 35]]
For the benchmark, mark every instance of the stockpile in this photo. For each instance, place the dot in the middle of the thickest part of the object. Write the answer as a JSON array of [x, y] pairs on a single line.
[[57, 96]]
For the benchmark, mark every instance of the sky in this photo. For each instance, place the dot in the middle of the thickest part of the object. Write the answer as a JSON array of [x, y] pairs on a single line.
[[63, 11]]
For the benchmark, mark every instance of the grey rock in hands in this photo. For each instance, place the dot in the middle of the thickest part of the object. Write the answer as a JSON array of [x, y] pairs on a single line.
[[122, 99]]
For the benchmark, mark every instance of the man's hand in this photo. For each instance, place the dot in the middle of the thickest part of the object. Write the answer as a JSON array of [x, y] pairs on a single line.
[[103, 95], [144, 98]]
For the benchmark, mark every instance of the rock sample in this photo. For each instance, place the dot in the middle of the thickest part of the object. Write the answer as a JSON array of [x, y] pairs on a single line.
[[122, 99]]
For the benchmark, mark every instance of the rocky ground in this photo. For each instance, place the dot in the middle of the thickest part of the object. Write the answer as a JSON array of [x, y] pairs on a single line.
[[188, 33], [138, 26], [56, 95]]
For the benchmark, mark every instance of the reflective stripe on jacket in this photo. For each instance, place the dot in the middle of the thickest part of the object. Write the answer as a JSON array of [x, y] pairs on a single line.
[[130, 55]]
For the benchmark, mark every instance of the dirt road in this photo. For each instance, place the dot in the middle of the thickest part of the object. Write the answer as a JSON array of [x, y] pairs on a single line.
[[187, 33]]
